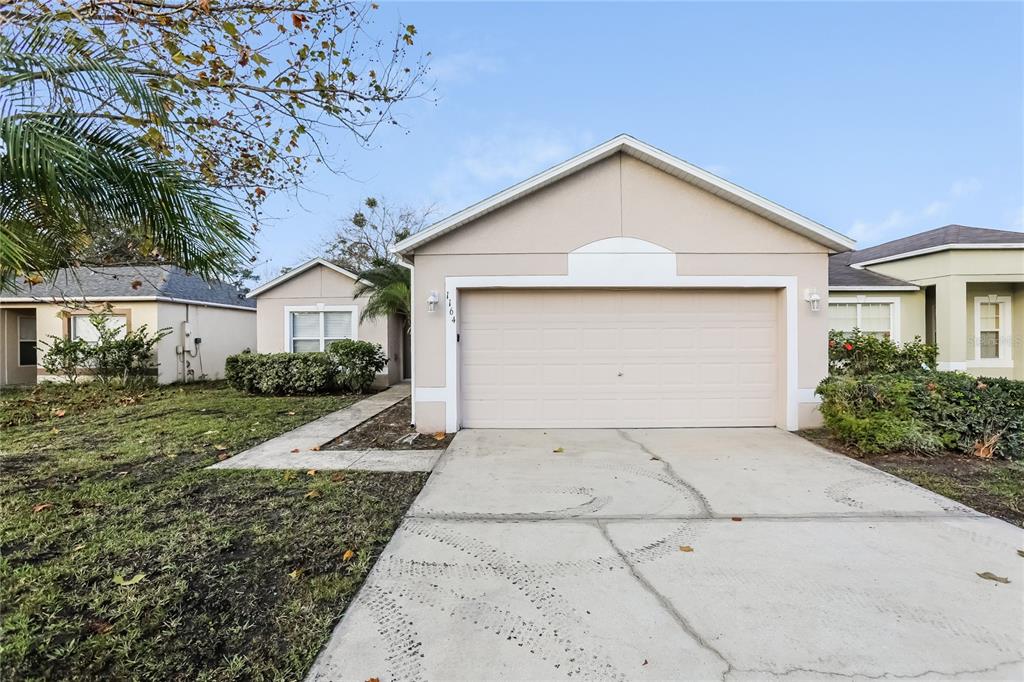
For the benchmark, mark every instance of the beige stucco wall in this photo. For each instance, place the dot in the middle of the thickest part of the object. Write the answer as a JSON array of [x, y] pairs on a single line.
[[10, 372], [321, 285], [224, 332], [911, 303], [957, 276], [617, 197]]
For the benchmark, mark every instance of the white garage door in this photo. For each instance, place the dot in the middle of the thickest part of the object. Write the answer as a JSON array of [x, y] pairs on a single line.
[[546, 358]]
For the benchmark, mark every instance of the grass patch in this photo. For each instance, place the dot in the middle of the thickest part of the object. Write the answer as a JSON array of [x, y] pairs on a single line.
[[992, 486], [242, 573]]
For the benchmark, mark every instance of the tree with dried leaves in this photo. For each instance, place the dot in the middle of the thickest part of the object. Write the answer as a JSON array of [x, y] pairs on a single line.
[[362, 240]]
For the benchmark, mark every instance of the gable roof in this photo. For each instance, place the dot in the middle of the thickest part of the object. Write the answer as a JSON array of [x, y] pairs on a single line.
[[657, 158], [843, 277], [143, 282], [939, 239], [281, 279]]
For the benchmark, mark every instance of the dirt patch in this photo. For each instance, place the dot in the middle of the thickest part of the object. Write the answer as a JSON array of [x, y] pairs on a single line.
[[992, 486], [389, 430]]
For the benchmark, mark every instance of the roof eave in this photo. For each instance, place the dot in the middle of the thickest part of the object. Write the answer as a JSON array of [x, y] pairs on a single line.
[[294, 272]]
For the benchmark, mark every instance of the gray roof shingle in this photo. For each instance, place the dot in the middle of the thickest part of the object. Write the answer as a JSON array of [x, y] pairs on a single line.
[[164, 281], [940, 236], [840, 274]]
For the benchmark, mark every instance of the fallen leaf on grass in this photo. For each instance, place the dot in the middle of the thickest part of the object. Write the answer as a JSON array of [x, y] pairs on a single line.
[[289, 413], [54, 430], [313, 493], [556, 450], [58, 413], [737, 518], [311, 472], [100, 627], [289, 475], [337, 477], [119, 579], [220, 447], [685, 548], [347, 555], [221, 456], [294, 575], [40, 507], [992, 576]]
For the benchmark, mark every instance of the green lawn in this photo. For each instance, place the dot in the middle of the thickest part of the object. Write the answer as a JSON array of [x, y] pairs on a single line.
[[227, 574]]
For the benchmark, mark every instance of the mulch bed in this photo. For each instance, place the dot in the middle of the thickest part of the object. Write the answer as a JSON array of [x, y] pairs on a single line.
[[389, 431], [992, 486]]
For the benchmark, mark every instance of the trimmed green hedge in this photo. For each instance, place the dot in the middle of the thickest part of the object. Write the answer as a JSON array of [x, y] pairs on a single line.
[[926, 411], [347, 366], [282, 373]]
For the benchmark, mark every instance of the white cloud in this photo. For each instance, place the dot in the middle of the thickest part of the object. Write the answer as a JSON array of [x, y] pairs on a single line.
[[900, 221], [462, 66], [483, 165]]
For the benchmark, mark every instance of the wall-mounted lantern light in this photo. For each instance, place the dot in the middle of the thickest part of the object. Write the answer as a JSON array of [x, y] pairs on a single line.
[[432, 301], [813, 299]]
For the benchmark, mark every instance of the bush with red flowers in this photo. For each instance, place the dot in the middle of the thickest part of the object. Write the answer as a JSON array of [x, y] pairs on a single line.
[[858, 353]]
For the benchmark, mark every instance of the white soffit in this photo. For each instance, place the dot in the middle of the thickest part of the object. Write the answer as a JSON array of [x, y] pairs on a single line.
[[655, 157]]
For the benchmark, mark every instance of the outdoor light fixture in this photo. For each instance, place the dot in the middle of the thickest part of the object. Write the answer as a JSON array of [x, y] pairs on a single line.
[[813, 299], [432, 301]]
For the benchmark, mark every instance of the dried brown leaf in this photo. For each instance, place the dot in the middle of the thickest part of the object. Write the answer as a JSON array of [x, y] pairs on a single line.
[[992, 576]]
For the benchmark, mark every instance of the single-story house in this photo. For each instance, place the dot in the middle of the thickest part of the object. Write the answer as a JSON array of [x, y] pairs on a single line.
[[313, 304], [208, 320], [621, 288], [959, 287]]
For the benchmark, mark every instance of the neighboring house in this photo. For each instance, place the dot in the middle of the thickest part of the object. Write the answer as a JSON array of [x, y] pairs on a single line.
[[959, 287], [622, 288], [311, 305], [208, 321]]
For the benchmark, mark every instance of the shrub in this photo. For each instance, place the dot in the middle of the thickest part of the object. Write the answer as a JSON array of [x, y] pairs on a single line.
[[282, 373], [66, 357], [858, 353], [358, 363], [926, 412], [126, 356]]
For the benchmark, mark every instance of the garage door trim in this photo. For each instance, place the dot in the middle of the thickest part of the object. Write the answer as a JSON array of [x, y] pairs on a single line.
[[449, 394]]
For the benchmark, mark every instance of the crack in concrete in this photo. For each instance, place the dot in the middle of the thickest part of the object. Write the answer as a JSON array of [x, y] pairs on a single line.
[[682, 482], [665, 603]]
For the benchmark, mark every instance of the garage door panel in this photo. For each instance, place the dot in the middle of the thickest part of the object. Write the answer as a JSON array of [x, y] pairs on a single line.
[[601, 358]]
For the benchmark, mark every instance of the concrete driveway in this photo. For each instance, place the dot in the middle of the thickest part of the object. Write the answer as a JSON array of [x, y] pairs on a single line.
[[565, 554]]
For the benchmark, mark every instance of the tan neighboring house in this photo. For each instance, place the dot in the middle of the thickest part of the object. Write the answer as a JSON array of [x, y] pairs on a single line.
[[622, 288], [312, 305], [207, 321], [959, 287]]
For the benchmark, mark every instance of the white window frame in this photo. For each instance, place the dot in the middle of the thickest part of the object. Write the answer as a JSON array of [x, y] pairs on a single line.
[[894, 311], [318, 308], [35, 340], [1005, 358], [75, 317]]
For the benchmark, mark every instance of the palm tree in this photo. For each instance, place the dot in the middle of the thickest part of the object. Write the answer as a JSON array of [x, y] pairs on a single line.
[[388, 286], [65, 176]]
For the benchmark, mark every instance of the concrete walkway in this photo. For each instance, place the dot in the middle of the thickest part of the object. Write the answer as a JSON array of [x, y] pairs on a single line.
[[300, 447], [682, 554]]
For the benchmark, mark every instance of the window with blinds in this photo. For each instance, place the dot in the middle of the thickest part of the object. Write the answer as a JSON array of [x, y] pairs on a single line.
[[315, 330], [874, 319]]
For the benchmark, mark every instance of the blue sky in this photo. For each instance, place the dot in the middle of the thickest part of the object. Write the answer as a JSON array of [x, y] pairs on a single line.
[[875, 119]]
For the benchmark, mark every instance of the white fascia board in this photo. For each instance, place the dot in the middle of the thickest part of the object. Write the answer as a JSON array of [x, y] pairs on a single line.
[[935, 249], [281, 279], [908, 287], [124, 299], [662, 160]]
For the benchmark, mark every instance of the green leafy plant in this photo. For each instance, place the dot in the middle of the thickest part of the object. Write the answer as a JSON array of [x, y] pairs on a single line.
[[926, 412], [122, 355], [282, 373], [358, 363], [858, 353], [387, 287], [66, 358]]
